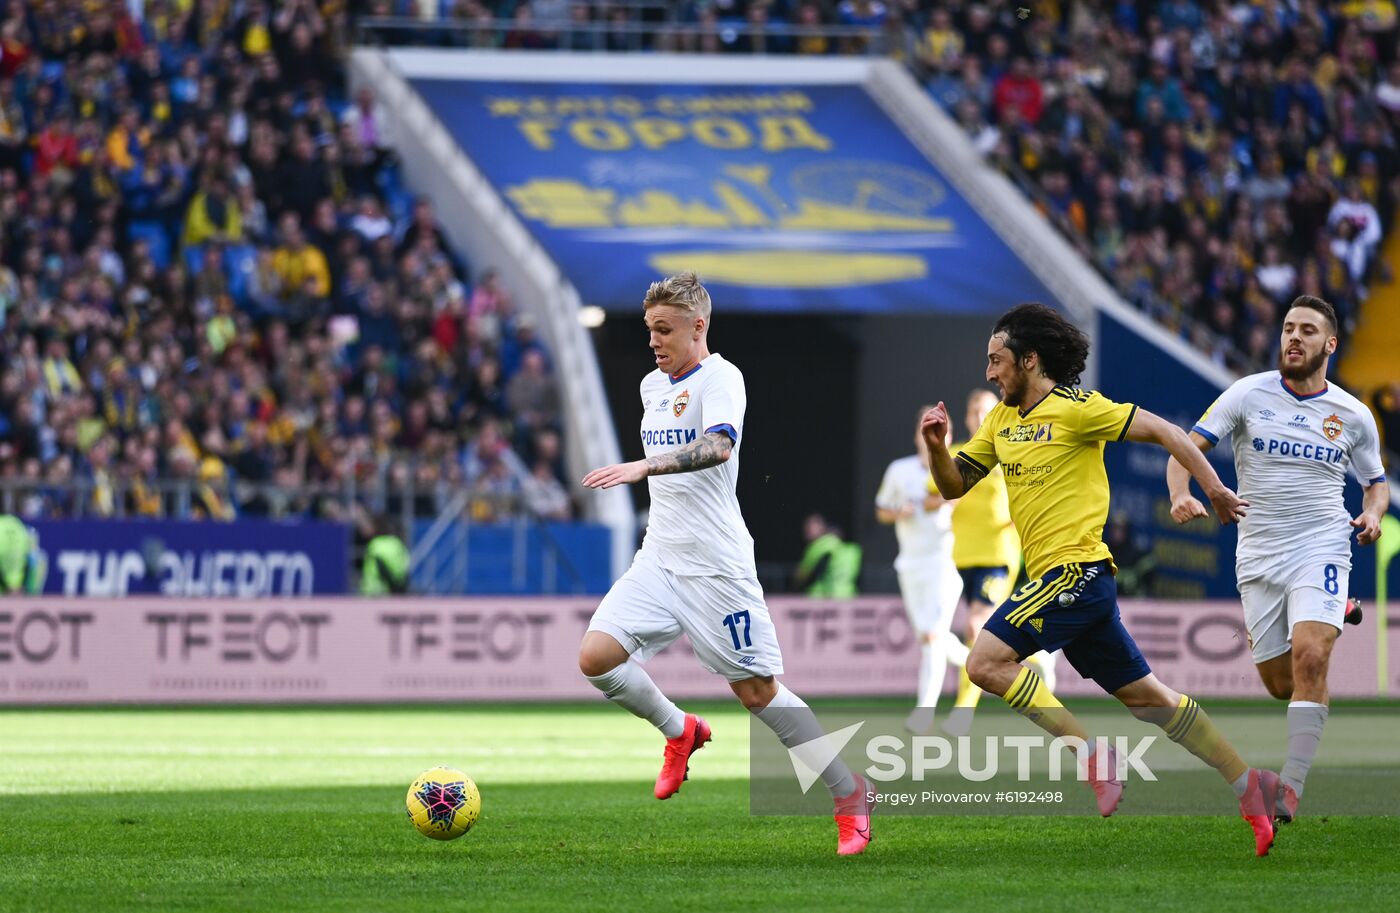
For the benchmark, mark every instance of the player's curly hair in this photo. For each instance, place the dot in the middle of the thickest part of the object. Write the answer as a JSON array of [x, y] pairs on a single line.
[[683, 291], [1063, 348]]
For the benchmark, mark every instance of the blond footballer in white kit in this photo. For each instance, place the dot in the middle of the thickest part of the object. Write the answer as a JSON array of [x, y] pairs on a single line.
[[695, 571], [928, 578], [1294, 436]]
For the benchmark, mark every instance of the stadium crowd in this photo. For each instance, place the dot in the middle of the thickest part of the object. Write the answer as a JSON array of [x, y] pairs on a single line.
[[1214, 158], [210, 273]]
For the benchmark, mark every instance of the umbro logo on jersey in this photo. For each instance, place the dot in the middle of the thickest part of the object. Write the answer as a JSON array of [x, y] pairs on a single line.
[[1332, 427], [1267, 414]]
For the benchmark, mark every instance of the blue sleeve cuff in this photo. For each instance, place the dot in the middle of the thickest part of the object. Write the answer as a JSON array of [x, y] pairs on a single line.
[[1376, 481], [727, 429], [1214, 439]]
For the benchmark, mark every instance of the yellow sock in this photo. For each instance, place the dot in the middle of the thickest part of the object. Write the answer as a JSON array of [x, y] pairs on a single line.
[[1193, 730], [968, 693], [1029, 697]]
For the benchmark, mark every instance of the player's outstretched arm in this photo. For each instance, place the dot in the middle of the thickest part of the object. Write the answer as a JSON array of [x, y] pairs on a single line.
[[1153, 429], [711, 449], [953, 477], [1185, 507], [1374, 502]]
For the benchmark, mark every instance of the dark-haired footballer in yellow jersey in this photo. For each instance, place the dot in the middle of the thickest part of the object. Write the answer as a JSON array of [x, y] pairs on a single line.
[[1052, 458], [1048, 436]]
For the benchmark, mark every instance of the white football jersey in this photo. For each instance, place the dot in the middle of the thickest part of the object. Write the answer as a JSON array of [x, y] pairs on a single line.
[[1292, 454], [695, 527], [926, 538]]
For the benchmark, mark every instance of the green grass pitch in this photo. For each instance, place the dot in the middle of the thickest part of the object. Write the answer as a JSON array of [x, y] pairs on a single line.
[[302, 809]]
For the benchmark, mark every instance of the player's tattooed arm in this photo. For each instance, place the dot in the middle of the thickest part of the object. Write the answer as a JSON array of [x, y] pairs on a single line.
[[713, 448], [971, 474]]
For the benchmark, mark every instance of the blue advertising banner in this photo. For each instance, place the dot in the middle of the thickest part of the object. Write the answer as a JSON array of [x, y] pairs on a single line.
[[182, 558], [782, 198], [515, 559], [1196, 561]]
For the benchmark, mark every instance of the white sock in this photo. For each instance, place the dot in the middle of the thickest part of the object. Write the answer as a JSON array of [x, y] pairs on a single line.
[[956, 650], [1044, 665], [794, 723], [933, 664], [628, 685], [1305, 722], [1240, 784]]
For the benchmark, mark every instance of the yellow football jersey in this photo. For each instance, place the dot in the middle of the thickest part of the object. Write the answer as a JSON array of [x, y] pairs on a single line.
[[1052, 457], [983, 535]]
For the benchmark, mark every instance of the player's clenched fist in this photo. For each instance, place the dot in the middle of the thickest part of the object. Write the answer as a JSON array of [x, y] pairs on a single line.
[[934, 426], [1187, 508]]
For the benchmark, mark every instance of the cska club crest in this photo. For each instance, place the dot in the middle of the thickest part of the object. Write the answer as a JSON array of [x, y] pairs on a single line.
[[681, 402], [1332, 427]]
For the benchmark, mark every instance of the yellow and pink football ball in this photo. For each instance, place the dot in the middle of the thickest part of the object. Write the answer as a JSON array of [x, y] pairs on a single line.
[[443, 803]]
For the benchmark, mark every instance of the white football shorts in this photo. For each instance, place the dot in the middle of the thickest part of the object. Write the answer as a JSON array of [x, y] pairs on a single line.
[[725, 618], [931, 597], [1315, 590]]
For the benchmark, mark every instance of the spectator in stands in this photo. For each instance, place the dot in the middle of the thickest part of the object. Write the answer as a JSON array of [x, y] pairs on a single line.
[[1278, 278], [1356, 211], [489, 449], [56, 150], [1020, 90], [809, 16], [941, 46], [532, 397], [300, 266], [544, 495], [1388, 92], [867, 13], [367, 123], [213, 214], [14, 132]]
